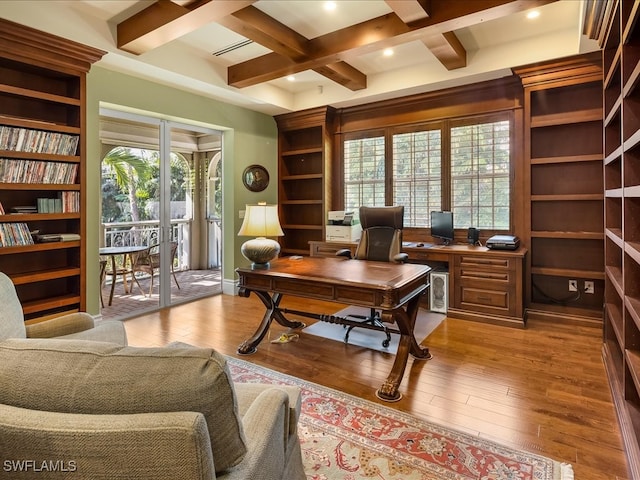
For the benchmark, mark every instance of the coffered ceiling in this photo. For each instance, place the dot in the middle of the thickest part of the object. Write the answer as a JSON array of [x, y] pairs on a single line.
[[276, 56]]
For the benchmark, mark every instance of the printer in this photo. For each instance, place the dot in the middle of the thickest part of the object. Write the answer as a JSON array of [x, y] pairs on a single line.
[[343, 226], [503, 242]]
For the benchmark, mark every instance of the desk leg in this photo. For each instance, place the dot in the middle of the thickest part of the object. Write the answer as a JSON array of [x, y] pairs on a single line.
[[406, 321], [273, 312]]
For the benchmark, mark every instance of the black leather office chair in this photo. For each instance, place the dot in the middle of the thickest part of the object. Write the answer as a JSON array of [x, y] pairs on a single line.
[[381, 241]]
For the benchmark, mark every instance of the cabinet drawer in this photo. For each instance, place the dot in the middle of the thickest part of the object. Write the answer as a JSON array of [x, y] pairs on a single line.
[[494, 264], [329, 249], [434, 256], [491, 301], [468, 274]]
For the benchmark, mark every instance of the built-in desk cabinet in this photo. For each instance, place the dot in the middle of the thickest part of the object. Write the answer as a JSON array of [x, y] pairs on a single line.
[[487, 286], [484, 285]]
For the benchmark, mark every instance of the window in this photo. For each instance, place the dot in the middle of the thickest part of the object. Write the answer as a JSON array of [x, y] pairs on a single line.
[[480, 159], [364, 173], [417, 175], [463, 166]]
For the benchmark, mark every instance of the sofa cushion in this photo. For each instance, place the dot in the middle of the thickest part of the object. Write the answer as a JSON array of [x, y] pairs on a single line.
[[78, 376]]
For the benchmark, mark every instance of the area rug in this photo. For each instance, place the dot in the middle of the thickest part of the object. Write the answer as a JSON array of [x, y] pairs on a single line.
[[426, 322], [347, 438]]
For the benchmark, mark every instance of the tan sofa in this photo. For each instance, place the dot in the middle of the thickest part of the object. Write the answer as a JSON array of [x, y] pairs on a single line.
[[103, 411]]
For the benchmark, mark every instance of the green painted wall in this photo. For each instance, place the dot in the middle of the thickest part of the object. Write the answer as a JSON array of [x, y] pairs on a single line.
[[248, 137]]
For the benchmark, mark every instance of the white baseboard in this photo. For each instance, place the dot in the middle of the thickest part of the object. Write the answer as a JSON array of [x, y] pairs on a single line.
[[229, 287]]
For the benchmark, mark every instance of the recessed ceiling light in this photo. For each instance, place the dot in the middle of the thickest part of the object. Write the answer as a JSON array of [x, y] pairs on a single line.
[[291, 78], [329, 6], [533, 14], [387, 52]]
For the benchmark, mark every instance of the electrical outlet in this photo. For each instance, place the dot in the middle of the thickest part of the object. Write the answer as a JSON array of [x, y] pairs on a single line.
[[573, 285], [588, 287], [241, 213]]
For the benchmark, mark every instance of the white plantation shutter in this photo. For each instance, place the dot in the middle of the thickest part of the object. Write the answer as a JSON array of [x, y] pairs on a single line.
[[364, 167], [480, 161], [471, 176], [417, 175]]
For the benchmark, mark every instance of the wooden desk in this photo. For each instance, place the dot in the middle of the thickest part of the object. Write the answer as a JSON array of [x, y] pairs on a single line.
[[395, 289], [484, 285]]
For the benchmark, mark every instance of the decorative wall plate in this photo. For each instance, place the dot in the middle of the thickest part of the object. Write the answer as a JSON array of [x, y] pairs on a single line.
[[255, 178]]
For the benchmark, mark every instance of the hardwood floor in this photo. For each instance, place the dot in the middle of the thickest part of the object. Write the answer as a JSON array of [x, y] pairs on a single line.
[[542, 389]]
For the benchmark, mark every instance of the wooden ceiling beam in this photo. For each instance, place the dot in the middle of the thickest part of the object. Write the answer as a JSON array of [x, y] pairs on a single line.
[[447, 48], [410, 10], [256, 25], [164, 21], [374, 35], [344, 74]]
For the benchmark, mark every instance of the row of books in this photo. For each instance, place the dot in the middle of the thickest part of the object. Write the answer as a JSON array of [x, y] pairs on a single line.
[[66, 202], [36, 171], [15, 234], [37, 141]]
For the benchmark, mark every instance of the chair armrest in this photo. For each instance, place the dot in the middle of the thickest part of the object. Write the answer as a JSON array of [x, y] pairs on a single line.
[[344, 252], [246, 393], [266, 432], [401, 257], [59, 326]]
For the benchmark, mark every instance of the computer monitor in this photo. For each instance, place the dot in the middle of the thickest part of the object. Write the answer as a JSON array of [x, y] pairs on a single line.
[[442, 226]]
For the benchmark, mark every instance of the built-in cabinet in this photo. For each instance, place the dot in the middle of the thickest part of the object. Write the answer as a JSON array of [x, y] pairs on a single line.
[[620, 41], [42, 168], [304, 177], [563, 155], [484, 285]]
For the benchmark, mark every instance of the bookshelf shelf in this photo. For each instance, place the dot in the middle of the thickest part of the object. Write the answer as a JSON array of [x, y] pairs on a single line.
[[32, 217], [40, 186], [39, 247], [42, 161], [28, 93]]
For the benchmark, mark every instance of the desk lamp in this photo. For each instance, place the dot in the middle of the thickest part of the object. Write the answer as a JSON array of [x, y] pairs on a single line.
[[261, 221]]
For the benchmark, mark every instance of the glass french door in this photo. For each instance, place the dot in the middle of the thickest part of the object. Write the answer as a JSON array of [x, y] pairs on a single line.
[[153, 169]]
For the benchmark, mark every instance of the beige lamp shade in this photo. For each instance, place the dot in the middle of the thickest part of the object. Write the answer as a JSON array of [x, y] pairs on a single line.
[[261, 221]]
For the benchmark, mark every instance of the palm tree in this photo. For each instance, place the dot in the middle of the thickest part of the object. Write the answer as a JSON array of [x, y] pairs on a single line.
[[129, 169]]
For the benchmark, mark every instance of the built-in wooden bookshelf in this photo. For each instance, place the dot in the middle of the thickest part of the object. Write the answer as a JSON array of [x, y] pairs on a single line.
[[42, 162], [304, 177], [563, 170], [617, 29]]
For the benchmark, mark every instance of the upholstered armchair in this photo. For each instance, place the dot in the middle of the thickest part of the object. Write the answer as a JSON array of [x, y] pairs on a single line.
[[78, 325], [105, 411]]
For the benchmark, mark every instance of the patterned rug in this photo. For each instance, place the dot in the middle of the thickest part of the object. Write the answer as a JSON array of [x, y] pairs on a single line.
[[346, 438]]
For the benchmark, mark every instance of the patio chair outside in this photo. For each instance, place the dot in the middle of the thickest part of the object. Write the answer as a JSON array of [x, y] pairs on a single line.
[[148, 261]]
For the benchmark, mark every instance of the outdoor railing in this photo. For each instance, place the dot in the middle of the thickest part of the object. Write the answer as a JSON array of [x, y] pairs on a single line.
[[146, 233]]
